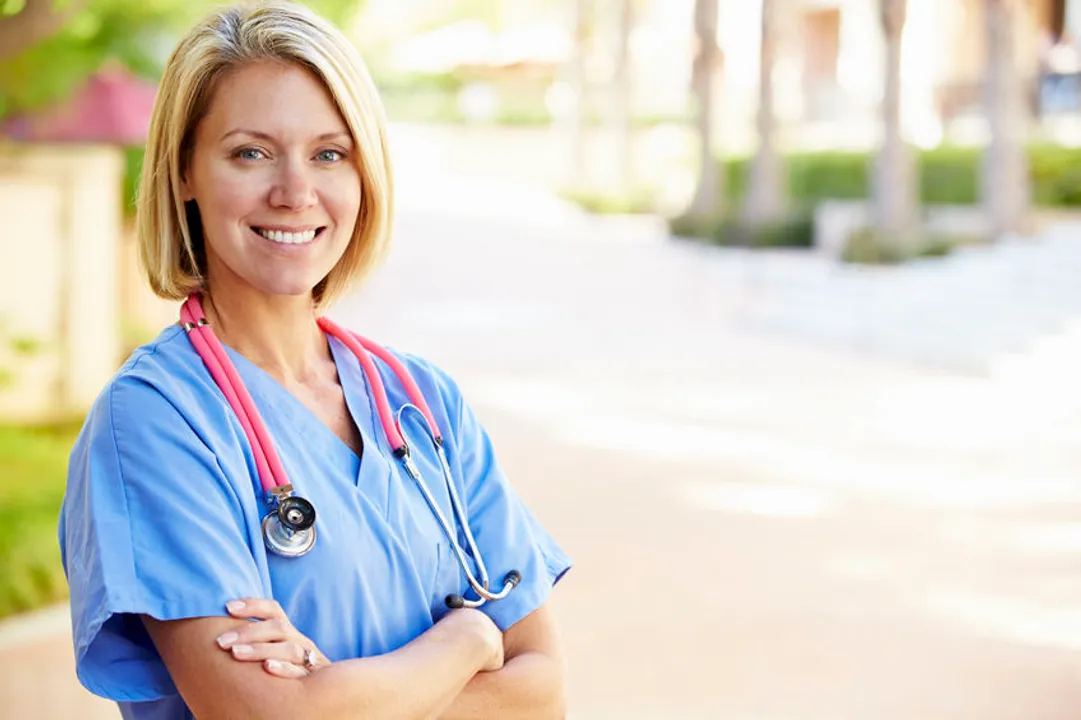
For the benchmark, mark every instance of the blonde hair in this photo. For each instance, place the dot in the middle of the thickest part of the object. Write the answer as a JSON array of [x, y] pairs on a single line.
[[172, 256]]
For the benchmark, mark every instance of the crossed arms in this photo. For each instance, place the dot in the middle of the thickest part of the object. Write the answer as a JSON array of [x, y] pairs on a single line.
[[455, 670]]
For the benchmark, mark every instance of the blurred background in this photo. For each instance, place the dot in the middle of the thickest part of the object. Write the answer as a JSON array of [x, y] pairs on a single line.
[[772, 308]]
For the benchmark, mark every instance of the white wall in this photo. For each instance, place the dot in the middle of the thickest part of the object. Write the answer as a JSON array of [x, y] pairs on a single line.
[[59, 258]]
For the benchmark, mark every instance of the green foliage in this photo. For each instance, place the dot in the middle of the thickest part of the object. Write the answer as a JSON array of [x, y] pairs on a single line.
[[947, 176], [795, 230], [34, 462], [11, 7], [25, 346], [636, 202], [867, 246], [139, 34], [18, 346], [694, 226], [133, 168]]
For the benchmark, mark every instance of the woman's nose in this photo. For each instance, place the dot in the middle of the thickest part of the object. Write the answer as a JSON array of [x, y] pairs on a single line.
[[294, 187]]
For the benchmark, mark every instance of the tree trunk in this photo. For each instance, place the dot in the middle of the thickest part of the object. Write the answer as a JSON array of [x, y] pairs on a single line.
[[765, 191], [576, 121], [708, 198], [37, 21], [623, 97], [895, 208], [1006, 186]]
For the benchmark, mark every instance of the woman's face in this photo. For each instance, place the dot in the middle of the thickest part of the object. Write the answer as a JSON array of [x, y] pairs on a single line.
[[273, 172]]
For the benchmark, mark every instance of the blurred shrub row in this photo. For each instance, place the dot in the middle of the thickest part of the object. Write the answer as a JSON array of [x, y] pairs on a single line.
[[947, 176], [794, 230]]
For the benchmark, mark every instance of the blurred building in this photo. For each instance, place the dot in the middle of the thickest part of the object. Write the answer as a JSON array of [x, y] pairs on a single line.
[[112, 107], [829, 72]]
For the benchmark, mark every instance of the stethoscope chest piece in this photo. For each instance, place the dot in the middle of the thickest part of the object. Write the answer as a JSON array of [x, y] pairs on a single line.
[[289, 528]]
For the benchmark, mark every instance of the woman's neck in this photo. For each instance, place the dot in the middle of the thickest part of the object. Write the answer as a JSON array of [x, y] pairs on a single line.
[[279, 334]]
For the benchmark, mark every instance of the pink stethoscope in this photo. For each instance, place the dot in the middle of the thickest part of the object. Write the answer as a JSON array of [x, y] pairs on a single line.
[[289, 526]]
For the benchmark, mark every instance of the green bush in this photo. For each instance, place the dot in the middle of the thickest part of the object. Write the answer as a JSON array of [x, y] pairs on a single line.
[[795, 230], [34, 468], [947, 176], [635, 202], [694, 226], [867, 246]]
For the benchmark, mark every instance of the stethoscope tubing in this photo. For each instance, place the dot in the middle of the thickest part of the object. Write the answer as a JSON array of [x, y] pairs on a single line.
[[208, 352], [268, 465], [478, 583], [272, 475]]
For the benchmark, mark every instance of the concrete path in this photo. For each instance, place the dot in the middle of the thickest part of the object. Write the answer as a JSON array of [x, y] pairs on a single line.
[[763, 528]]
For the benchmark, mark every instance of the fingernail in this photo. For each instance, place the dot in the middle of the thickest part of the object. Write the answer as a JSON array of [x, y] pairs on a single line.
[[242, 650], [227, 639], [273, 665], [235, 605]]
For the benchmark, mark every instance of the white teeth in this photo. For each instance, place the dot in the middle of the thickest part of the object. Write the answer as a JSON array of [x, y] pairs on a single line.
[[288, 238]]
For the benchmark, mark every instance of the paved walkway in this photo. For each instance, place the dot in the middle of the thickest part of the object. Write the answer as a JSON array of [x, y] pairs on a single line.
[[764, 527]]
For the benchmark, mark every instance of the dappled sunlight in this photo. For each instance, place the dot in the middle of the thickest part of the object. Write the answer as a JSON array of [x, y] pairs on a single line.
[[861, 566], [775, 501], [1029, 538], [794, 447], [1015, 620]]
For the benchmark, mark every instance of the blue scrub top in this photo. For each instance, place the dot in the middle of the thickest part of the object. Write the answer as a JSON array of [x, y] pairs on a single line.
[[163, 509]]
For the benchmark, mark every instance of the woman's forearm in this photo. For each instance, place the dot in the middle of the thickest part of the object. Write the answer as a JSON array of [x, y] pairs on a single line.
[[529, 687], [419, 680]]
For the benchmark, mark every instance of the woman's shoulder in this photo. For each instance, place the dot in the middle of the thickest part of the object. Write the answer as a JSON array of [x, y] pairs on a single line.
[[430, 375], [159, 356], [155, 377]]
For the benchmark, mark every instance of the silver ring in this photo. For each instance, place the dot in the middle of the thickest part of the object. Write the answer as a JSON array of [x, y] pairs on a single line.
[[309, 659]]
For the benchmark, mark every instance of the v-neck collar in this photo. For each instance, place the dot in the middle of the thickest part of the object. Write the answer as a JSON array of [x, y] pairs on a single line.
[[288, 411]]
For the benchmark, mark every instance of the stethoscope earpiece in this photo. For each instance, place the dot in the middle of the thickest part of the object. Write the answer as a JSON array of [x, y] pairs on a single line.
[[510, 581]]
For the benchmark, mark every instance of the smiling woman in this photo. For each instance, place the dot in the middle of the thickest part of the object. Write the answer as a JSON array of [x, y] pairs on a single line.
[[278, 191], [202, 582]]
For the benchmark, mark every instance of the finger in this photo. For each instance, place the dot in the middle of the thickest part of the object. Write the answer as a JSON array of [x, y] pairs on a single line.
[[267, 631], [255, 608], [284, 669], [288, 652]]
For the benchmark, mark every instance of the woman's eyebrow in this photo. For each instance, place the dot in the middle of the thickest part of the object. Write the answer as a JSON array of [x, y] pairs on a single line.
[[335, 134]]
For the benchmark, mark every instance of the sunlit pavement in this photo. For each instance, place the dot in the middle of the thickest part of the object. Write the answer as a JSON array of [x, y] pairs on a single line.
[[764, 527]]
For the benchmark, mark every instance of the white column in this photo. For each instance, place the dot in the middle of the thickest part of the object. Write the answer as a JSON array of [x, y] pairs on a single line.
[[1073, 20]]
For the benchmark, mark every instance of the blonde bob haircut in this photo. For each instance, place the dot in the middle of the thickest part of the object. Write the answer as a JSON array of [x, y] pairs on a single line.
[[171, 245]]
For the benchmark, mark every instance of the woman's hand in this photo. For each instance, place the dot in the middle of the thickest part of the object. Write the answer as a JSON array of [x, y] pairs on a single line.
[[273, 641], [481, 626]]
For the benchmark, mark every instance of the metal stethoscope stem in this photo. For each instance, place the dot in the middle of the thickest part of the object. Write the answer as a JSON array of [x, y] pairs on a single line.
[[479, 582]]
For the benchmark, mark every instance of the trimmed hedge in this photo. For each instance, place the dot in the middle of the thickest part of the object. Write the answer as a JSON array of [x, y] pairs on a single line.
[[795, 230], [869, 247], [947, 176]]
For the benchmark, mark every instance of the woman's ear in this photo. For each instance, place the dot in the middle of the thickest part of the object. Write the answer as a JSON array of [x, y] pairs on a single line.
[[186, 193]]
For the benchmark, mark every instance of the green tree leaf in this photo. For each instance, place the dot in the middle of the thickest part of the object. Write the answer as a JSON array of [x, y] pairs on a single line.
[[11, 7], [138, 34]]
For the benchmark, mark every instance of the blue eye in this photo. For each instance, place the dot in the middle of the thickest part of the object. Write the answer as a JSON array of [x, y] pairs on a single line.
[[330, 156], [249, 154]]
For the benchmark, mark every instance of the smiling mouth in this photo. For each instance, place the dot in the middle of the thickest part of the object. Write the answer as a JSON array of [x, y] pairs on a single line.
[[290, 238]]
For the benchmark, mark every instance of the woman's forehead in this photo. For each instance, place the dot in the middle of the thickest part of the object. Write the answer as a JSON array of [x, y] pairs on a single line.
[[272, 100]]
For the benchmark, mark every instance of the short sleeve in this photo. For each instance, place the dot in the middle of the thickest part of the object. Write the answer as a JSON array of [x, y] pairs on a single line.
[[150, 525], [508, 535]]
